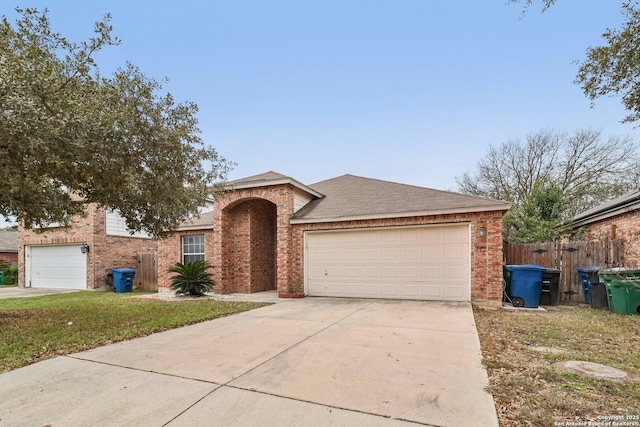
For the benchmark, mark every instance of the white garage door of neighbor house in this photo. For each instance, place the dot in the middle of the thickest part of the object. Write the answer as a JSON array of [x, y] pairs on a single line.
[[60, 266], [425, 263]]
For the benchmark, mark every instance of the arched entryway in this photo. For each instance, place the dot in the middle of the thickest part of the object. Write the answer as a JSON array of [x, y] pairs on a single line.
[[249, 246]]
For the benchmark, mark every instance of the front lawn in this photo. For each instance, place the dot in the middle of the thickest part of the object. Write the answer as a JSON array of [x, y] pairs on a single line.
[[519, 349], [37, 328]]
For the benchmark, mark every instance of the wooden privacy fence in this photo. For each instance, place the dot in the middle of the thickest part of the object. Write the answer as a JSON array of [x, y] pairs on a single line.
[[147, 272], [567, 257]]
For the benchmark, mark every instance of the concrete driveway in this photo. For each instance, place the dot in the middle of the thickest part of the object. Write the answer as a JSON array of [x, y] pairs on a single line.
[[313, 361], [15, 292]]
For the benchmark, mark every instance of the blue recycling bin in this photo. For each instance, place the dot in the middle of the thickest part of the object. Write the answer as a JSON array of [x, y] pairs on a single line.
[[123, 279], [525, 284], [588, 276]]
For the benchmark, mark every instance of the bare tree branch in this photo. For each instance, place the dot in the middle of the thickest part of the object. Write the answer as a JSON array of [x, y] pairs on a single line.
[[585, 166]]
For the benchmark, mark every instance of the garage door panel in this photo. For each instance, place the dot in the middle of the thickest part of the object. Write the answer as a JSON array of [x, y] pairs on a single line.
[[454, 291], [352, 289], [371, 290], [430, 291], [411, 272], [410, 290], [389, 271], [455, 252], [57, 266], [370, 271], [431, 273], [368, 254], [454, 273], [431, 253], [390, 254], [410, 254], [352, 271], [334, 255], [430, 262], [351, 254], [391, 291]]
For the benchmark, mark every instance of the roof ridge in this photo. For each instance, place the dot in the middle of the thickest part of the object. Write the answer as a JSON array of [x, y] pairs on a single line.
[[410, 185]]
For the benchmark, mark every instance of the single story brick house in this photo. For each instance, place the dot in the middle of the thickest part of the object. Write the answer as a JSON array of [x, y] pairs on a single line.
[[616, 219], [81, 254], [345, 237]]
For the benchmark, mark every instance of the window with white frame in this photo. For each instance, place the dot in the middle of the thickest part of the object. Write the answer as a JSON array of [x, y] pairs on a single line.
[[192, 248]]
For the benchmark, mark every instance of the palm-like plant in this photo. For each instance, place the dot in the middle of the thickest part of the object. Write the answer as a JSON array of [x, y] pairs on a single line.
[[191, 278]]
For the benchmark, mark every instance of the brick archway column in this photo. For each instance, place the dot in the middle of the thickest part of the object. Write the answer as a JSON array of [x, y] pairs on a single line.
[[284, 253], [280, 195], [215, 248]]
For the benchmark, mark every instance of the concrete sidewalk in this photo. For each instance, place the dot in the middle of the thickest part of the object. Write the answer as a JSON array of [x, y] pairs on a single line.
[[301, 362]]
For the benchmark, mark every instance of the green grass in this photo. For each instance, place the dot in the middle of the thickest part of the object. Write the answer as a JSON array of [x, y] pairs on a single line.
[[526, 387], [37, 328]]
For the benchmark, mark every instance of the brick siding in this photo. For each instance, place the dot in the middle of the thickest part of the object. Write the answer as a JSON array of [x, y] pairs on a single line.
[[486, 252], [240, 218], [170, 252], [625, 226], [105, 252], [9, 257]]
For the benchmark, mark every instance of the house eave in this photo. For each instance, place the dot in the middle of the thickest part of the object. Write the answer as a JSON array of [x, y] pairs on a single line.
[[268, 183], [602, 215], [492, 208], [194, 227]]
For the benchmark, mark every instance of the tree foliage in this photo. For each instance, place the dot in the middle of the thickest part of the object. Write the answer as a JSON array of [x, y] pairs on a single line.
[[70, 136], [614, 69], [587, 168], [546, 4], [541, 217]]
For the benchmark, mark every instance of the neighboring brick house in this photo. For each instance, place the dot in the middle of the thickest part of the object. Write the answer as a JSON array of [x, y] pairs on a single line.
[[616, 219], [9, 247], [346, 237], [79, 256]]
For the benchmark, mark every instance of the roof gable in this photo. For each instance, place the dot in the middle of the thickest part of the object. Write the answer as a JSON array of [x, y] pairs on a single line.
[[353, 197], [269, 178]]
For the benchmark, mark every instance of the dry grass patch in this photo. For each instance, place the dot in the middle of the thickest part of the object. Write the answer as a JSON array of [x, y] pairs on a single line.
[[519, 349]]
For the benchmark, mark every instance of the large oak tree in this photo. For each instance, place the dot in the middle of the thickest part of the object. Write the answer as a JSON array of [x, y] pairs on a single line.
[[71, 136]]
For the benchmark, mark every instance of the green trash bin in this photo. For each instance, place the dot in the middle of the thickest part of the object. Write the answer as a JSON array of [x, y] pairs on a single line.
[[1, 277], [623, 289]]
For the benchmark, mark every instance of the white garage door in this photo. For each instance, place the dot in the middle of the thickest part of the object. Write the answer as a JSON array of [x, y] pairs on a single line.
[[426, 263], [60, 266]]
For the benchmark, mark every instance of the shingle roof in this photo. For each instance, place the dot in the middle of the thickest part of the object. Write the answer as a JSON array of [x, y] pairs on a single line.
[[8, 241], [353, 197], [624, 203], [204, 222]]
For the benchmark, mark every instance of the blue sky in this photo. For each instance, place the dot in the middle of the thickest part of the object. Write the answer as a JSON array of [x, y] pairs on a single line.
[[412, 91]]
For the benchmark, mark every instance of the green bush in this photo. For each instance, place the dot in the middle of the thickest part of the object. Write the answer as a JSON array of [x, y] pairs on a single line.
[[191, 278], [10, 276]]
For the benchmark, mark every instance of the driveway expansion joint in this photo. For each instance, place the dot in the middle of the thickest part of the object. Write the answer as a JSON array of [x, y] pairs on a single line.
[[252, 390], [76, 357]]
